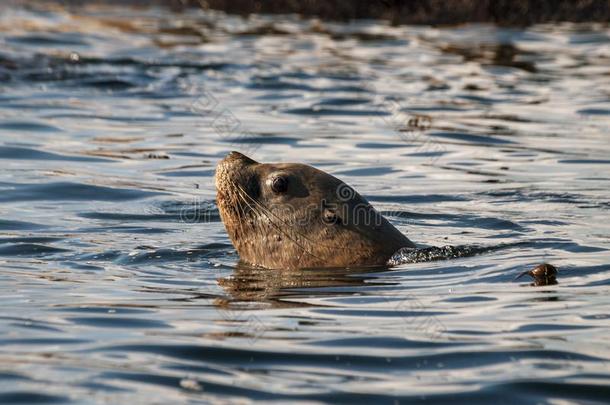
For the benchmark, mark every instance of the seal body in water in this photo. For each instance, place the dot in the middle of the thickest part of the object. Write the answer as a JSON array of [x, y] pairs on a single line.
[[289, 215]]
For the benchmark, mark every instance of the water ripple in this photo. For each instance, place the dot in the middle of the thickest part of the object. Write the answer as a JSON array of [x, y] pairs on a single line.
[[486, 145]]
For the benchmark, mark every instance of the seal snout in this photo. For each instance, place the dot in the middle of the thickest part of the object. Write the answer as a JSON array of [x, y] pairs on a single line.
[[231, 169]]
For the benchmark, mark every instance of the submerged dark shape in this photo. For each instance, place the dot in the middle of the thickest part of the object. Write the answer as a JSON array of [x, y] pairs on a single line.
[[290, 215], [543, 274]]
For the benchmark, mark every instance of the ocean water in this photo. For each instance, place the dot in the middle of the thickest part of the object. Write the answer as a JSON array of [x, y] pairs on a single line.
[[118, 283]]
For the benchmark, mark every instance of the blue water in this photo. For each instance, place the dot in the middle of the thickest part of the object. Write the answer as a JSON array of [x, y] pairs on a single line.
[[118, 283]]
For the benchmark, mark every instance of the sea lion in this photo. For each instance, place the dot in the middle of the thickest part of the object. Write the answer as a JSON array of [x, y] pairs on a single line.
[[290, 215]]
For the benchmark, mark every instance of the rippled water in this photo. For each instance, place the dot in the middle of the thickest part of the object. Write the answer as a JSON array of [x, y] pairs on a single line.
[[119, 283]]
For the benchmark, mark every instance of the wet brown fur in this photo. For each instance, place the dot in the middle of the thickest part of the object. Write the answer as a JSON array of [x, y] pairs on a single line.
[[318, 222]]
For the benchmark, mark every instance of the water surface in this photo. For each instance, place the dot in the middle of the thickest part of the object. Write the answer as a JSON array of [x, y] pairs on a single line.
[[119, 283]]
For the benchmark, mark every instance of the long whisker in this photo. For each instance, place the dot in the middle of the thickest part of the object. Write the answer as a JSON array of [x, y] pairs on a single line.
[[241, 212], [268, 211], [302, 235], [239, 209], [259, 209]]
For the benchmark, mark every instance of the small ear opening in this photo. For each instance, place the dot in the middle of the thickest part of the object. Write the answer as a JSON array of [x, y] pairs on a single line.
[[330, 217]]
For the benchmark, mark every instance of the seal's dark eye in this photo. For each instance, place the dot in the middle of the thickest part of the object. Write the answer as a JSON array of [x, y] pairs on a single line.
[[279, 184]]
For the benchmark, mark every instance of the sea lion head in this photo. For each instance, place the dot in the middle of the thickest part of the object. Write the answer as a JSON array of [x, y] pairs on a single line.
[[289, 215]]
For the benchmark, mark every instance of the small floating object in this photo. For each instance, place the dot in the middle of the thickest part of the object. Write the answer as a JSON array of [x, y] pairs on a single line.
[[543, 274]]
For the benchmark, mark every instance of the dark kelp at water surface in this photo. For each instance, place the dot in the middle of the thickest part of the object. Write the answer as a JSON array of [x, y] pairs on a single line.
[[486, 145]]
